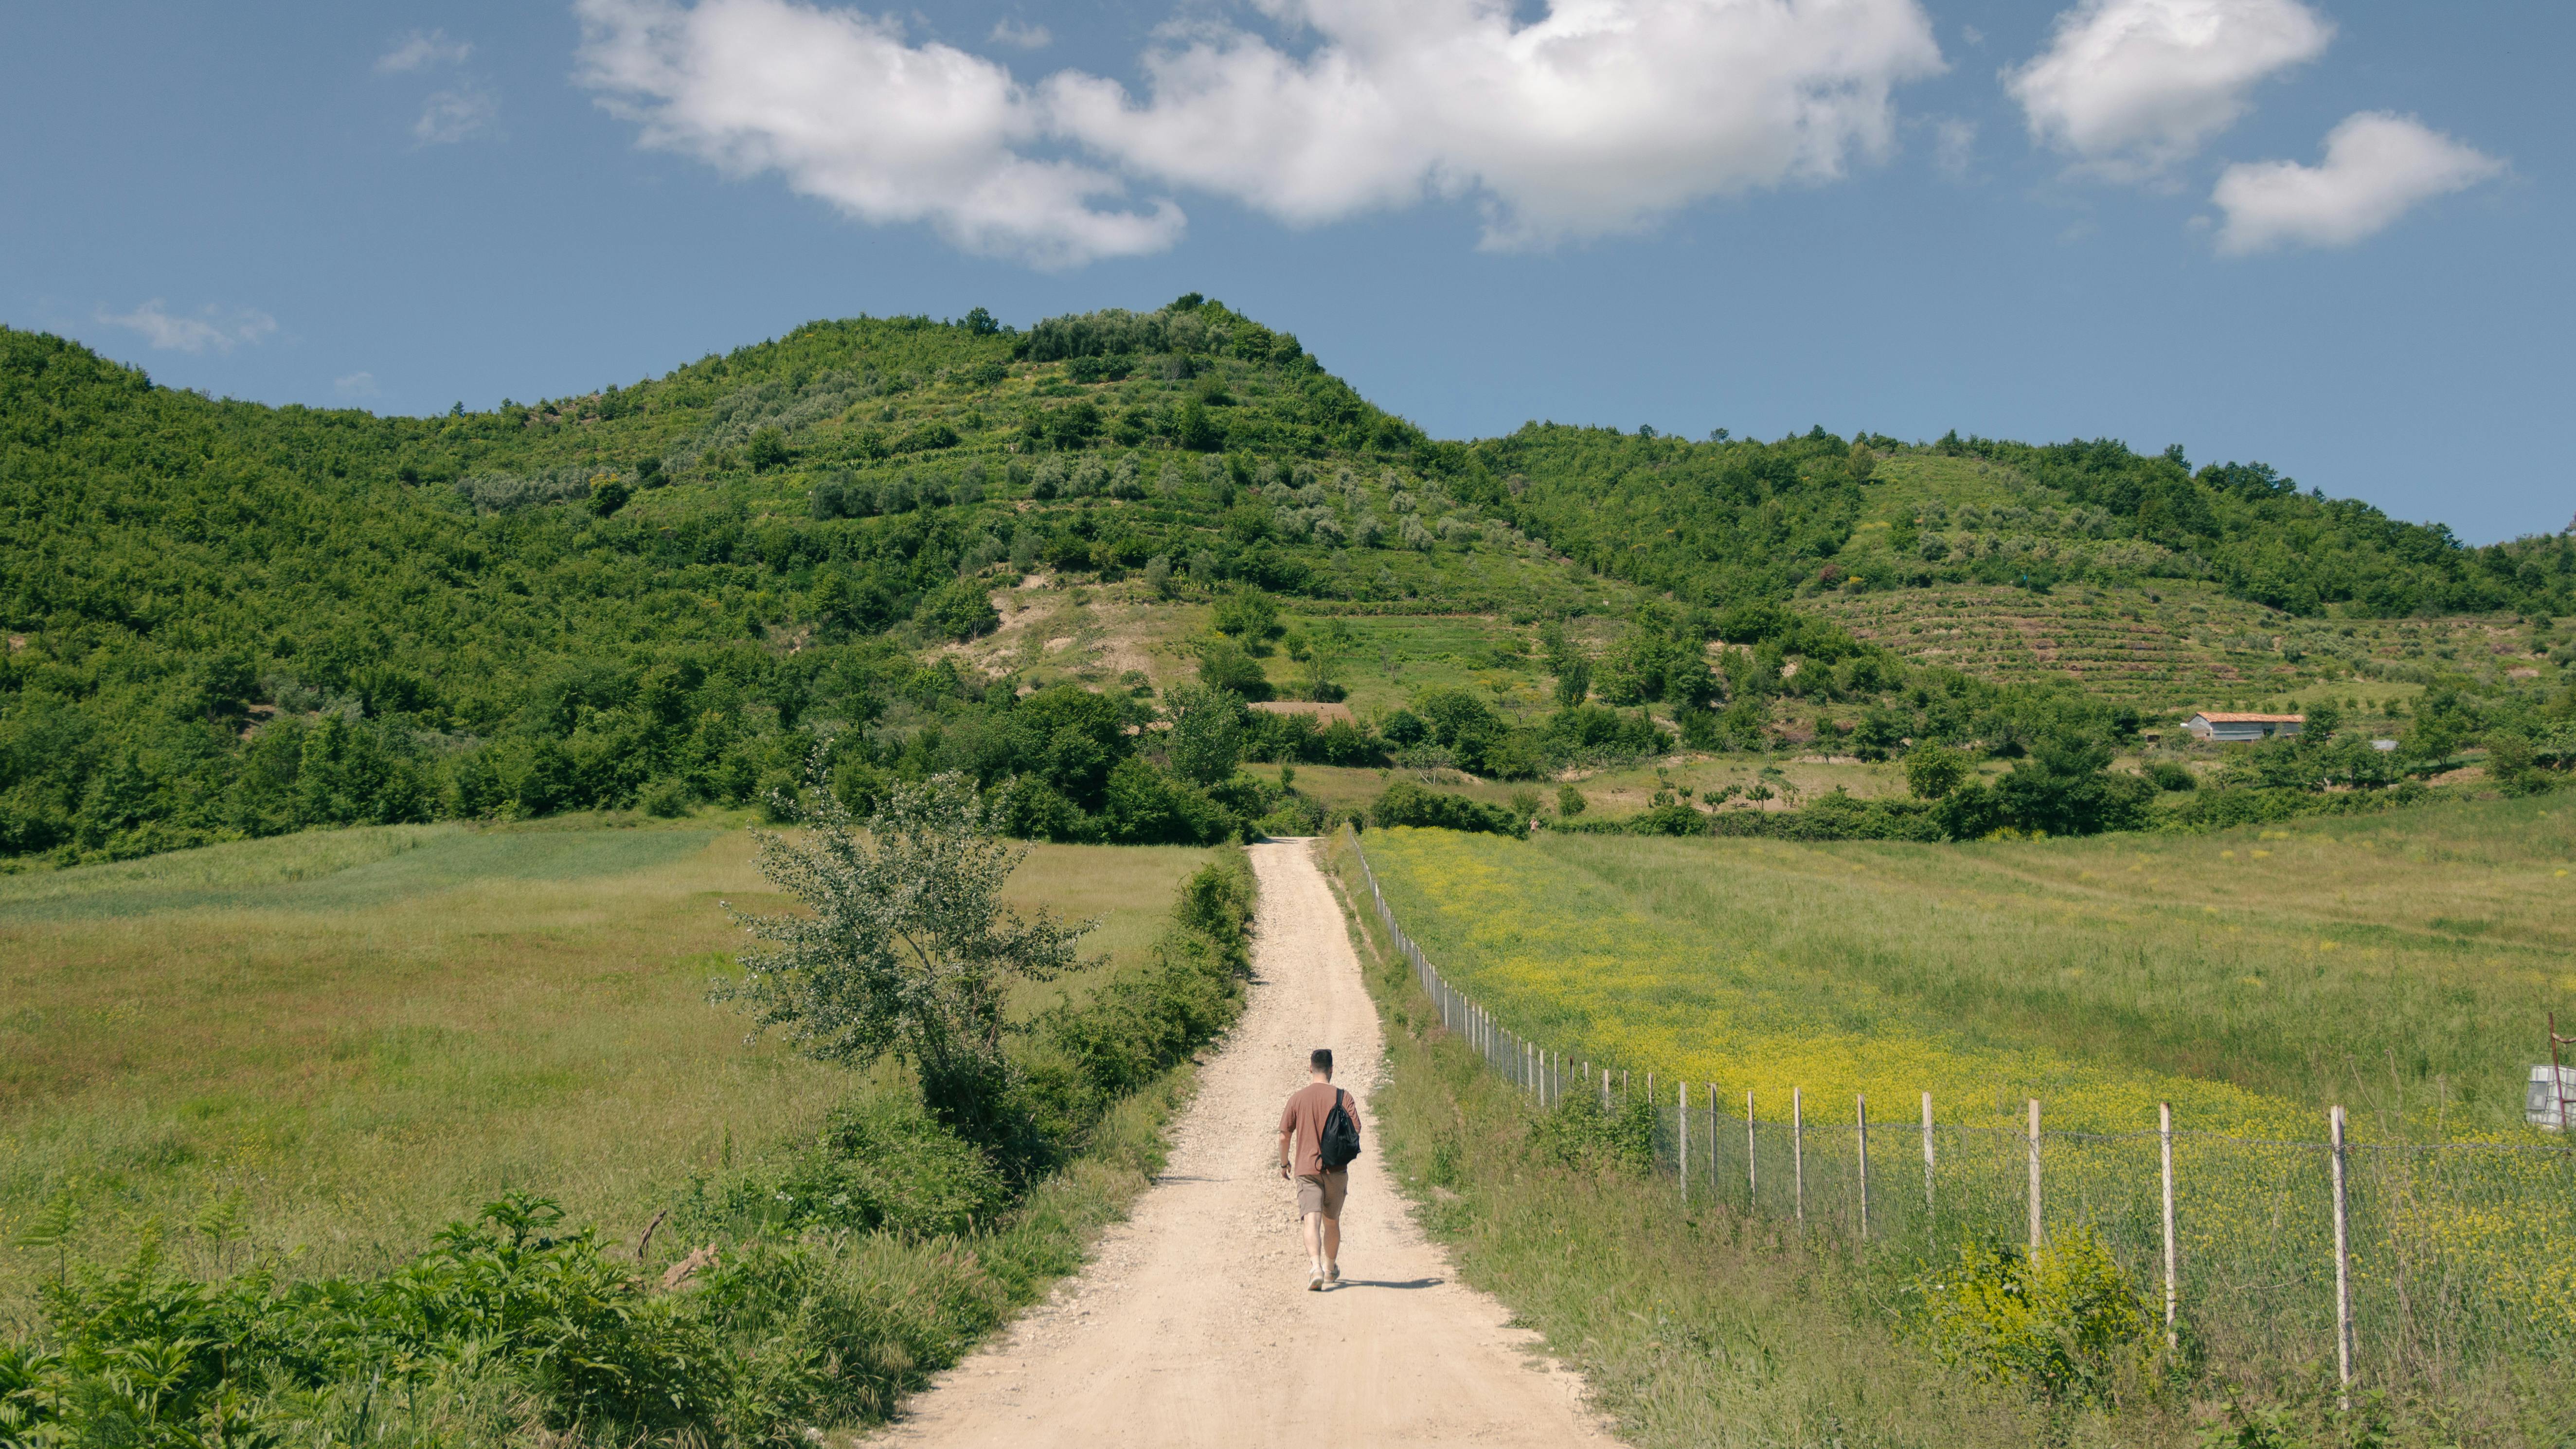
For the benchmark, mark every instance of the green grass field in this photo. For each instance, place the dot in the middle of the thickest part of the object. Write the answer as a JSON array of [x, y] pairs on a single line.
[[369, 1032]]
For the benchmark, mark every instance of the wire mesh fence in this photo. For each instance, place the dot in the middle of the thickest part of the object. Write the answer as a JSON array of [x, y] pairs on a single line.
[[2409, 1266]]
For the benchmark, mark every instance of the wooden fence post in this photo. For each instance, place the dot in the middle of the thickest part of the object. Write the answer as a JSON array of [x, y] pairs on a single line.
[[2173, 1288], [1927, 1162], [2034, 1174]]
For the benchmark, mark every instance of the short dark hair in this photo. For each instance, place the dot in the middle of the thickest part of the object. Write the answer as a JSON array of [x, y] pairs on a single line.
[[1321, 1059]]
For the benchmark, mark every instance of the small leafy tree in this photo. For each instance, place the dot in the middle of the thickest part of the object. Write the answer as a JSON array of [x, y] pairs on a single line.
[[904, 947], [1224, 664], [1325, 651], [1933, 771], [1207, 732], [1247, 614]]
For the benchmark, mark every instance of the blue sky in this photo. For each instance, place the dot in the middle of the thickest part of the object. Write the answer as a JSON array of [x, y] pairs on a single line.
[[2330, 236]]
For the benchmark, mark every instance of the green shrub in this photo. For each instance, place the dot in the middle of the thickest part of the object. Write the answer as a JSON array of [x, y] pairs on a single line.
[[2060, 1321], [1406, 803], [1294, 815], [960, 609], [1579, 1133], [879, 1165]]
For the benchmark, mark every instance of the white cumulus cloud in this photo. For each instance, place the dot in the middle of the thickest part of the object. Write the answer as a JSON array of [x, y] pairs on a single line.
[[422, 49], [214, 328], [840, 106], [457, 115], [356, 384], [2131, 87], [2378, 166], [1597, 118]]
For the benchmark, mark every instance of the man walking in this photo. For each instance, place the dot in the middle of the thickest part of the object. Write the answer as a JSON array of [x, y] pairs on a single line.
[[1301, 1157]]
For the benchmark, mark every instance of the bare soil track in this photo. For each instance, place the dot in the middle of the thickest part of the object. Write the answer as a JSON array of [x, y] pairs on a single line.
[[1193, 1326]]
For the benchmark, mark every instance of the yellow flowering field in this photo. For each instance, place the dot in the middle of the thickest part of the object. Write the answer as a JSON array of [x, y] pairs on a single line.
[[2402, 966]]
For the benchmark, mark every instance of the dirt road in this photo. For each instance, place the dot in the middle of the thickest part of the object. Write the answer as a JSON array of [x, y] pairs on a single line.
[[1193, 1326]]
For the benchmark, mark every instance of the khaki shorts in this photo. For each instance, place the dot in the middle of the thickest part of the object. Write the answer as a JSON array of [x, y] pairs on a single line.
[[1322, 1192]]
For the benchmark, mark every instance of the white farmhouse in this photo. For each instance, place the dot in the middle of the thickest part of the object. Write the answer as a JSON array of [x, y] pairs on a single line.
[[2227, 729]]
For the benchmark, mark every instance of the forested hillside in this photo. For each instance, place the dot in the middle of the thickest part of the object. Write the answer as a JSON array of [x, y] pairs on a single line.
[[1722, 521], [225, 619]]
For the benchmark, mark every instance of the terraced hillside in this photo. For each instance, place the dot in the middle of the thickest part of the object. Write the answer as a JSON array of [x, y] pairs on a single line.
[[2186, 646]]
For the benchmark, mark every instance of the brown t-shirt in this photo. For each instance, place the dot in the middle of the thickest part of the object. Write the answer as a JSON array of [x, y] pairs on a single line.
[[1304, 1115]]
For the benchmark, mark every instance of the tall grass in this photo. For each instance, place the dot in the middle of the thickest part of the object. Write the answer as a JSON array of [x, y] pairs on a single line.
[[828, 1276]]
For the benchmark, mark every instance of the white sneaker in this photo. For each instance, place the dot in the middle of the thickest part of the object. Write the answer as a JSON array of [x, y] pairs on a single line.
[[1315, 1284], [1333, 1273]]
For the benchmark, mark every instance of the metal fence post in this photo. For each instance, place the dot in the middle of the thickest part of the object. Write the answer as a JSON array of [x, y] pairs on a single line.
[[2173, 1288], [2034, 1174], [1752, 1160], [2343, 1270], [1798, 1149], [1927, 1162], [1712, 1142], [1860, 1114], [1681, 1138]]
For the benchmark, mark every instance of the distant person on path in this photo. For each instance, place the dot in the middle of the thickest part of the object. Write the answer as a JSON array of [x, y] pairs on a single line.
[[1320, 1125]]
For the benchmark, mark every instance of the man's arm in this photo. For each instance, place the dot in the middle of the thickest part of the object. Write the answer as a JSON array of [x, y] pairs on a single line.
[[1287, 1148]]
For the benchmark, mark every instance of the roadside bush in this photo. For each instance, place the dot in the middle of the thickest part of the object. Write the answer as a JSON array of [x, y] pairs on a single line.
[[880, 1164], [1406, 803], [2060, 1321], [1577, 1133]]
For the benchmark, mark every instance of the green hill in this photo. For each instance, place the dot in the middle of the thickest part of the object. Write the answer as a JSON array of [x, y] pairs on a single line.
[[226, 620]]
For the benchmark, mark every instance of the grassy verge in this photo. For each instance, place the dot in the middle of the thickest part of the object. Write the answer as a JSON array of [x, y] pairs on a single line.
[[805, 1288], [1694, 1326]]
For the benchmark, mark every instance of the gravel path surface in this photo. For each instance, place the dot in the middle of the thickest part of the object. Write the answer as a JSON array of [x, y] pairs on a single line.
[[1192, 1324]]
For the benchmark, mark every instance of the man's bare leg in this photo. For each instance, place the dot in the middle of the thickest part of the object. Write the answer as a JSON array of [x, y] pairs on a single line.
[[1333, 1246], [1320, 1230]]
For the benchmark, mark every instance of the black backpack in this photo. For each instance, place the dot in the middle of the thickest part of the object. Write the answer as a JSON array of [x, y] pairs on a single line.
[[1341, 1140]]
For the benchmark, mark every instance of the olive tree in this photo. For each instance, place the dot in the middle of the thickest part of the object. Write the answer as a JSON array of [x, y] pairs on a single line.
[[904, 947]]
